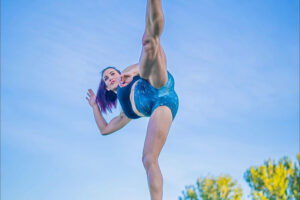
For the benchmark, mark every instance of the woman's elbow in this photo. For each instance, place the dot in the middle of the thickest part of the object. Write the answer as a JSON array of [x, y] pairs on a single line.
[[105, 132]]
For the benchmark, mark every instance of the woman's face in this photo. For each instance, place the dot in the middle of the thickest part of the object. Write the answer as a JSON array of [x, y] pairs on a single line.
[[111, 79]]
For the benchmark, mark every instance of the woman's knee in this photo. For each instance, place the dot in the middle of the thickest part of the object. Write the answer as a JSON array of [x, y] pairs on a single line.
[[149, 160]]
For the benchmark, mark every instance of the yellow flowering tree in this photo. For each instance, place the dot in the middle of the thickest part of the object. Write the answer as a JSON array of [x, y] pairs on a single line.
[[275, 181], [210, 188]]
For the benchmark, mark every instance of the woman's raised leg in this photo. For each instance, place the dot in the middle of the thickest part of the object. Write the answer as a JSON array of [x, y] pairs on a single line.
[[152, 62], [157, 133]]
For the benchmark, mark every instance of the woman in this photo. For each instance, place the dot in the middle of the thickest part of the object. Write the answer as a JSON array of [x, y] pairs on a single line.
[[143, 89]]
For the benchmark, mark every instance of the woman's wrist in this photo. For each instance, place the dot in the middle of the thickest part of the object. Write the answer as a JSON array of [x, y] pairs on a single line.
[[95, 106]]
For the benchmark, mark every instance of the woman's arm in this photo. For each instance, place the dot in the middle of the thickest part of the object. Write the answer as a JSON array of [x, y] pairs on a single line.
[[104, 127], [128, 74], [132, 69], [114, 125]]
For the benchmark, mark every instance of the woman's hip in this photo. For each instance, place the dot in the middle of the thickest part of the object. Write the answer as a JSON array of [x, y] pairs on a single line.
[[147, 98]]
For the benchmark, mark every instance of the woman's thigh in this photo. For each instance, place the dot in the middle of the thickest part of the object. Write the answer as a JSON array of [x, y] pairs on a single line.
[[157, 131]]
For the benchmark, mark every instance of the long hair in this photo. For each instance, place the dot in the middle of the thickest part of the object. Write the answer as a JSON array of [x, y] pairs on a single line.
[[106, 100]]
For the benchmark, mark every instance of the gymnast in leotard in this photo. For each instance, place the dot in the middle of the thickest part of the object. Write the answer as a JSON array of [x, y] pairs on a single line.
[[145, 89]]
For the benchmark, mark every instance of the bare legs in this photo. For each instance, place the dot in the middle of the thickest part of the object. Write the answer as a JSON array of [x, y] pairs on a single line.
[[155, 139], [153, 67], [153, 64]]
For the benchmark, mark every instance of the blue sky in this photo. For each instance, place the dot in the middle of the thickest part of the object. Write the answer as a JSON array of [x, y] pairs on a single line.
[[236, 73]]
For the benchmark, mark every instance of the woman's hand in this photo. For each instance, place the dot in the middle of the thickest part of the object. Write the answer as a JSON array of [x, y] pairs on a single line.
[[125, 79], [91, 98]]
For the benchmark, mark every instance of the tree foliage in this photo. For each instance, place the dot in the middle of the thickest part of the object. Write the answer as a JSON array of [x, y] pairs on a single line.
[[210, 188], [270, 181], [275, 181]]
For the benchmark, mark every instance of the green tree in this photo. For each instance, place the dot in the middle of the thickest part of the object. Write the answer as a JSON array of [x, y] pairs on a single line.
[[210, 188], [275, 181]]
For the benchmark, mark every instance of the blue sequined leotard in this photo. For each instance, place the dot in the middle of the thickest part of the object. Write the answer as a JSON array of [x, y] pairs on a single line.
[[123, 94], [147, 98]]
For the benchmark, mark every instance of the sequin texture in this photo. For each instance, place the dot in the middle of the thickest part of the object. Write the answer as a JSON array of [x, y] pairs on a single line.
[[147, 98]]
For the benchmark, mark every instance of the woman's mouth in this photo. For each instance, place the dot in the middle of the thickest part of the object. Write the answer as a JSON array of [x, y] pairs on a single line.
[[112, 82]]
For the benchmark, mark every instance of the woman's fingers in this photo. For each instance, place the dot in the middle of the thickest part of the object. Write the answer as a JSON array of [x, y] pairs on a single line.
[[91, 98], [121, 78], [123, 84], [91, 92], [125, 79]]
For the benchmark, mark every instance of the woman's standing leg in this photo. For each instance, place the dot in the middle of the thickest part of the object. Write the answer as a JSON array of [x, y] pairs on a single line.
[[153, 68], [157, 133]]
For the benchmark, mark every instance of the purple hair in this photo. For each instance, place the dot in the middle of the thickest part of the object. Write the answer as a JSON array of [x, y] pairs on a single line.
[[106, 99]]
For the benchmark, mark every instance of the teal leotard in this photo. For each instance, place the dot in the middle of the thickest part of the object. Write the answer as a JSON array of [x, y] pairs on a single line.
[[147, 98]]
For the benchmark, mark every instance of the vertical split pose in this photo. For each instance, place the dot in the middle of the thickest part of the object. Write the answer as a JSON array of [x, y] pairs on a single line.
[[143, 89]]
